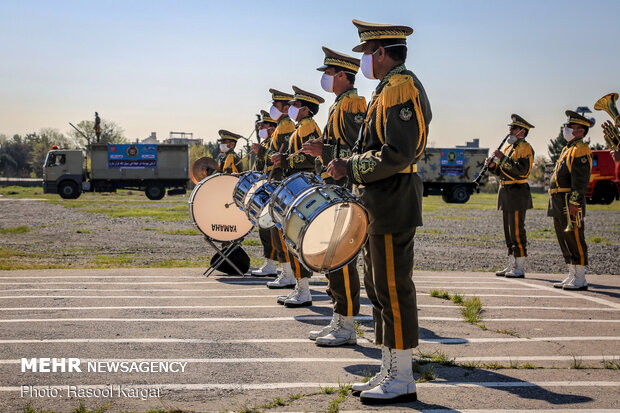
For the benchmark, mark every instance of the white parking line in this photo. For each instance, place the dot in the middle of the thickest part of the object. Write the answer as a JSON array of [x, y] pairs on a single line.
[[131, 290], [584, 296], [149, 340], [326, 304], [288, 385], [281, 292], [278, 360], [297, 318], [505, 410], [136, 282]]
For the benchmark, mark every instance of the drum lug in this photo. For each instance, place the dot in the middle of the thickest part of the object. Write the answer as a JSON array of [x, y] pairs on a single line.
[[299, 214], [290, 243], [323, 193]]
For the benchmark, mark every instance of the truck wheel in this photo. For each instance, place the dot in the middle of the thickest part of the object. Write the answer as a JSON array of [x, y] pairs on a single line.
[[606, 193], [154, 192], [68, 190], [446, 198], [459, 194]]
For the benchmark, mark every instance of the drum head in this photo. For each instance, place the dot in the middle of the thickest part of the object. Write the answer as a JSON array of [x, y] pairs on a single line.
[[214, 212], [347, 242]]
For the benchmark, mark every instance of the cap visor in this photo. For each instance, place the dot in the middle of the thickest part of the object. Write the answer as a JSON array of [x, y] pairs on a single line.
[[322, 68], [359, 48]]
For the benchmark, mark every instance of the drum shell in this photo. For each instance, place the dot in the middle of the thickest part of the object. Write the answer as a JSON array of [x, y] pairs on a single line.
[[244, 188], [258, 204], [304, 211], [287, 192]]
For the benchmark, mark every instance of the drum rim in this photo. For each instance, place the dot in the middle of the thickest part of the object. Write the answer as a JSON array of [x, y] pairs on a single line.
[[266, 206], [312, 217], [283, 185], [191, 213], [249, 173]]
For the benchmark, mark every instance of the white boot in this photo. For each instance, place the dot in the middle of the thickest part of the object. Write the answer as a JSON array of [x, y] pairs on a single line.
[[267, 270], [377, 378], [567, 280], [302, 297], [314, 334], [579, 282], [282, 298], [286, 279], [398, 384], [344, 333], [509, 267], [519, 269]]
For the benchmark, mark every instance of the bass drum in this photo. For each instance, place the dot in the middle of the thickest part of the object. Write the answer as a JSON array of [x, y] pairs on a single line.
[[326, 227], [213, 211]]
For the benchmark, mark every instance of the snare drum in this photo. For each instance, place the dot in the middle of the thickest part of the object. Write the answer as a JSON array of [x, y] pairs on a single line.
[[326, 227], [248, 183], [257, 208], [286, 193], [213, 210]]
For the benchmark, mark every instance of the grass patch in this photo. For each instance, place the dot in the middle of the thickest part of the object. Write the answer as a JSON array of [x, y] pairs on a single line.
[[471, 309], [22, 229], [190, 231], [112, 261], [541, 233], [577, 363], [429, 231], [251, 242], [440, 294], [83, 231], [427, 374], [257, 262], [612, 364]]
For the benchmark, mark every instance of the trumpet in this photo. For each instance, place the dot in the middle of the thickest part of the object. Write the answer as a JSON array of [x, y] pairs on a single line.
[[611, 131], [570, 226]]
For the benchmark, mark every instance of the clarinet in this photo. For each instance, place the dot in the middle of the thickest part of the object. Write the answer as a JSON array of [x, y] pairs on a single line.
[[485, 167]]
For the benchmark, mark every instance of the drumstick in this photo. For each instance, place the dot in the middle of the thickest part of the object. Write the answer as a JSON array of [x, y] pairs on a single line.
[[299, 151]]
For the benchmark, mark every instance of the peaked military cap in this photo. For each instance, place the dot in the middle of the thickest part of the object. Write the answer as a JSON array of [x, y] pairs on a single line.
[[373, 31], [339, 60], [520, 122], [224, 134], [306, 96], [276, 95], [574, 117], [266, 118]]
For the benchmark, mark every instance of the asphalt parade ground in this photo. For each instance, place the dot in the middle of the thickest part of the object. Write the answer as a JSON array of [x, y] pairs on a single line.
[[534, 347]]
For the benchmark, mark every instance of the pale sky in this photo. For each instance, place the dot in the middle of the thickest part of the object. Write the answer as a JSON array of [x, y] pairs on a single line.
[[201, 66]]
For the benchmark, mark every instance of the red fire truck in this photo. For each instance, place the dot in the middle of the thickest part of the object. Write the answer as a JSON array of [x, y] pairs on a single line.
[[604, 186]]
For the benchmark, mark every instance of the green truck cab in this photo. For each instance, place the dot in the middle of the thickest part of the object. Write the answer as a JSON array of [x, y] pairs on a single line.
[[151, 168]]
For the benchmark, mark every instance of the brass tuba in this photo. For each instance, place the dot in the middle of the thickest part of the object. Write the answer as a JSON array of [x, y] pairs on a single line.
[[611, 131]]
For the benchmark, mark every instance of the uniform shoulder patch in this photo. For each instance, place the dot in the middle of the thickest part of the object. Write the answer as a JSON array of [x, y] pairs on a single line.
[[405, 114], [359, 118], [584, 160]]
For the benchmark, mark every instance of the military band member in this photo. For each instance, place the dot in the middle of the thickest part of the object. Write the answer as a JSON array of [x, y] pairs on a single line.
[[228, 159], [303, 107], [569, 182], [279, 139], [265, 127], [384, 169], [513, 167], [345, 118]]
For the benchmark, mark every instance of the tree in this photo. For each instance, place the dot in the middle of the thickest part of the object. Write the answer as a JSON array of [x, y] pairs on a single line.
[[538, 170], [555, 146], [110, 133]]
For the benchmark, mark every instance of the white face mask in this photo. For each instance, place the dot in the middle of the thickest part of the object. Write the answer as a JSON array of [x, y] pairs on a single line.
[[327, 82], [511, 139], [263, 134], [568, 133], [293, 112], [224, 147], [275, 113], [366, 65]]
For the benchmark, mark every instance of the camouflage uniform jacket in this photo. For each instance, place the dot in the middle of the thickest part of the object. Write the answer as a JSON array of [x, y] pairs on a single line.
[[393, 138]]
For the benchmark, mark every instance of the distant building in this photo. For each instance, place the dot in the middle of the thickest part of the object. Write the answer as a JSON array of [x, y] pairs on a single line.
[[474, 143], [150, 139], [183, 138]]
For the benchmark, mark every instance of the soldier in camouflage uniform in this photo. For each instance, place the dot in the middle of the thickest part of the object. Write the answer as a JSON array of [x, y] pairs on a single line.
[[265, 127], [513, 167], [384, 171], [303, 107], [345, 118], [568, 186], [279, 139], [228, 159]]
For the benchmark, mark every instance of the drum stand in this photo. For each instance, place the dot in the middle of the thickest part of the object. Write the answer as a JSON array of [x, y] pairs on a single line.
[[224, 253]]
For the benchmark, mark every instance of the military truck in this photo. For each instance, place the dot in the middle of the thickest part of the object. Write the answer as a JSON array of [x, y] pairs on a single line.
[[450, 172], [107, 167]]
